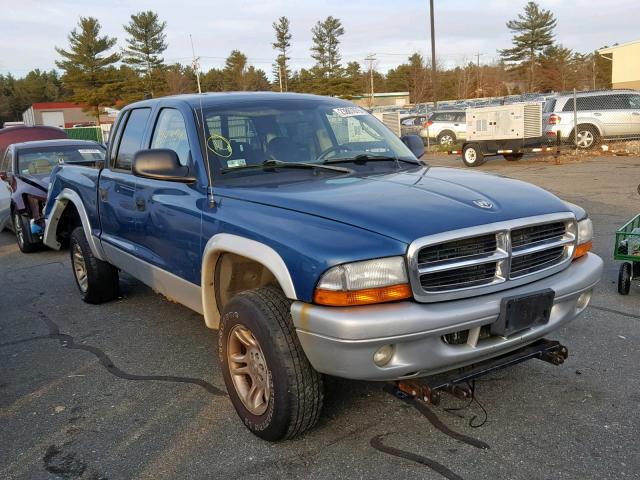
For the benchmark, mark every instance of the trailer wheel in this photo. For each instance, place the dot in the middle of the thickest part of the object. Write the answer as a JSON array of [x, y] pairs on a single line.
[[472, 155], [512, 157], [624, 279]]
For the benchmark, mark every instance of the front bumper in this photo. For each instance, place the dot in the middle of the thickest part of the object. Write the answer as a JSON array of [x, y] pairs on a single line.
[[341, 341]]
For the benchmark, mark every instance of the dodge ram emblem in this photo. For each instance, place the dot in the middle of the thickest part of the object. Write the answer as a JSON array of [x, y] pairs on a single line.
[[483, 204]]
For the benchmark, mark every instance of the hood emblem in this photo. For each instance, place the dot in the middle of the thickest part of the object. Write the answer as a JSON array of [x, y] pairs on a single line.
[[483, 204]]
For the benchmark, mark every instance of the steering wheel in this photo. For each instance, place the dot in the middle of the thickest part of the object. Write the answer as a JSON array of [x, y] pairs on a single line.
[[334, 148]]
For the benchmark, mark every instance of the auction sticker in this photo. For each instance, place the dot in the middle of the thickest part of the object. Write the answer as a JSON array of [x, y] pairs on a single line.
[[238, 162], [82, 151], [350, 111]]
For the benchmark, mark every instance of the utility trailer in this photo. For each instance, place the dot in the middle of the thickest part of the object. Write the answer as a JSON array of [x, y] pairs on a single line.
[[508, 130]]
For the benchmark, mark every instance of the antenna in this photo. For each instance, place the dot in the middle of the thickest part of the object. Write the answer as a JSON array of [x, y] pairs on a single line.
[[196, 68]]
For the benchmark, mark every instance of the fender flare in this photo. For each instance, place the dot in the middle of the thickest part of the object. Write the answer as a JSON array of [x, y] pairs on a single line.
[[259, 252], [51, 225]]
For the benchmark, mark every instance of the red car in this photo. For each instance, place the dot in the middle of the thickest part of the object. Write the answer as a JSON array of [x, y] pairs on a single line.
[[26, 168]]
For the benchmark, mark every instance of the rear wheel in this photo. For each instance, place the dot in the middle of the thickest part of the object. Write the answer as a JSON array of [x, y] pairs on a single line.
[[97, 280], [273, 387], [446, 138], [21, 228], [624, 279], [472, 155], [586, 138]]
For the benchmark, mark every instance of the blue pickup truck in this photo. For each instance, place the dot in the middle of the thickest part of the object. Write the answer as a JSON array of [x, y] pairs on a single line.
[[317, 243]]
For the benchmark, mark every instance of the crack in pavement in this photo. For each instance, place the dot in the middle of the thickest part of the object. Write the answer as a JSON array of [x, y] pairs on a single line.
[[67, 341], [617, 312]]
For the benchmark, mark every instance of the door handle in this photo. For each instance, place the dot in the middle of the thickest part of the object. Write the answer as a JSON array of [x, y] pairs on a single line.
[[597, 114], [635, 113], [103, 194], [140, 203]]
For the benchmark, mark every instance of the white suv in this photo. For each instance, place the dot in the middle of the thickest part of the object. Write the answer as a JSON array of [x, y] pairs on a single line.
[[445, 127], [608, 114]]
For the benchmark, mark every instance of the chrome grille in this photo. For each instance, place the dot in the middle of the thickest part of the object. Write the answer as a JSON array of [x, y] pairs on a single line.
[[497, 256]]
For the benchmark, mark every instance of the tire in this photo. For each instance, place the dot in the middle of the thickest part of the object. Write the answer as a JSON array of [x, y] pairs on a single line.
[[96, 280], [21, 229], [624, 279], [512, 157], [446, 137], [472, 155], [292, 391], [588, 137]]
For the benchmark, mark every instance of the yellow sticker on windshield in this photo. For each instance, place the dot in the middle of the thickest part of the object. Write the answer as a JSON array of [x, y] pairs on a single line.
[[219, 145]]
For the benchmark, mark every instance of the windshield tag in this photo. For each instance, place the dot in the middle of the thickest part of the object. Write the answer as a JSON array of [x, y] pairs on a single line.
[[239, 162], [350, 111]]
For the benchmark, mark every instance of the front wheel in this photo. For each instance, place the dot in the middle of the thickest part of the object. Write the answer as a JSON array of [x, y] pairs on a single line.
[[97, 280], [273, 387], [624, 279], [22, 229], [472, 155]]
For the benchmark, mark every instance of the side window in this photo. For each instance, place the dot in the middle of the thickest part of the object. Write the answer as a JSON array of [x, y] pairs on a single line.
[[461, 117], [171, 133], [131, 138], [634, 101], [407, 122]]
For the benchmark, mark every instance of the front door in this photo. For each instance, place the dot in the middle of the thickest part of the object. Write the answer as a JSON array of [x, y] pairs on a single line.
[[116, 192], [168, 218]]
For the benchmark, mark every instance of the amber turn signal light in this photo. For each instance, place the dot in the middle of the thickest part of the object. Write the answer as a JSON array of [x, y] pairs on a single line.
[[582, 249], [362, 297]]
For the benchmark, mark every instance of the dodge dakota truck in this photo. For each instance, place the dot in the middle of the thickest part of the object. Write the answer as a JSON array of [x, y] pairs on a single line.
[[318, 243]]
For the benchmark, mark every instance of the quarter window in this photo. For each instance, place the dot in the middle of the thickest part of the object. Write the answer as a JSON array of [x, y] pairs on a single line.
[[171, 133], [131, 140]]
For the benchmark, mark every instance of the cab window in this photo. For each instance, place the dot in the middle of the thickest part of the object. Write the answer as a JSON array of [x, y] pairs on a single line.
[[131, 138], [171, 133]]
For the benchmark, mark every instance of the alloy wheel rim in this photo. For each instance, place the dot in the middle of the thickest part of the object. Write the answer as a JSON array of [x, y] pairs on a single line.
[[248, 368], [80, 268], [585, 139], [19, 232], [446, 140]]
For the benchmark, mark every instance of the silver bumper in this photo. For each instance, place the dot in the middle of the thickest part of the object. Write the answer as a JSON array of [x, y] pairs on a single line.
[[342, 341]]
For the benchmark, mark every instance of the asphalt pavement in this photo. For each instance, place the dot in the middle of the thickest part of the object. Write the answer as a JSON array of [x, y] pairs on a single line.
[[133, 389]]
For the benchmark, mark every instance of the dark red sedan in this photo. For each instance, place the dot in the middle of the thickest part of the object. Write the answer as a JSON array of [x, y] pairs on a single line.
[[26, 168]]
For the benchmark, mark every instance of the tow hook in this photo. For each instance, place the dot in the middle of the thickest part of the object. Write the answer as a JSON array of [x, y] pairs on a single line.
[[456, 382]]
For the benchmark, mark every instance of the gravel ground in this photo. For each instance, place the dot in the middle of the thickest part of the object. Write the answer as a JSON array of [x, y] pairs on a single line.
[[132, 389]]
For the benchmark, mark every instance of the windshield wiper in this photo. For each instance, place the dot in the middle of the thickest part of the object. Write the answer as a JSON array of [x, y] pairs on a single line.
[[366, 157], [282, 164]]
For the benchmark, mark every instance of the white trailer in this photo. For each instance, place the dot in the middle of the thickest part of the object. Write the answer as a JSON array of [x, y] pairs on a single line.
[[508, 130]]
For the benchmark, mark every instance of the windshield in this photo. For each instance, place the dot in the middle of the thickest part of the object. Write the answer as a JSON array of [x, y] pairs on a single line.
[[298, 132], [41, 160]]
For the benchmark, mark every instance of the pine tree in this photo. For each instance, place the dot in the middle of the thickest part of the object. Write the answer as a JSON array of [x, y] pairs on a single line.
[[282, 44], [145, 45], [234, 71], [532, 33], [86, 63], [326, 47]]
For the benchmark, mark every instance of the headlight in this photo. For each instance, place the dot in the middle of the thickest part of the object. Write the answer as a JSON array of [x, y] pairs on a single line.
[[361, 283], [585, 237]]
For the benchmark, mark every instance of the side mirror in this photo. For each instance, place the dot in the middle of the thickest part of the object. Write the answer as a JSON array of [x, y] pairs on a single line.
[[160, 164], [415, 144]]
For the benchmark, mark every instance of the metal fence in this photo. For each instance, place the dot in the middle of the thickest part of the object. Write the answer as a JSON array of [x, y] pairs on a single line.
[[97, 134]]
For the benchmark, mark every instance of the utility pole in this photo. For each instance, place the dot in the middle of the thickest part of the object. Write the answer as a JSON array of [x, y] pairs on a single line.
[[434, 73], [479, 86], [371, 58]]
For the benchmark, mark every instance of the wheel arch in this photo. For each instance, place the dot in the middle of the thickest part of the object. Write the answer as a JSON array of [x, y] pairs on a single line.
[[250, 250], [65, 200]]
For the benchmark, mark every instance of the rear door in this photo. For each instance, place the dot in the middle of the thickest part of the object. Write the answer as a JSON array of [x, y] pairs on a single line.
[[116, 190], [168, 219], [634, 103]]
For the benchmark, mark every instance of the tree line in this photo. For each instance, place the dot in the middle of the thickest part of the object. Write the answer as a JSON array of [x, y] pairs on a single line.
[[94, 73]]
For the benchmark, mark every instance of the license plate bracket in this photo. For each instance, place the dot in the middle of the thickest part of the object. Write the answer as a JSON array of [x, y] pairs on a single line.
[[523, 311]]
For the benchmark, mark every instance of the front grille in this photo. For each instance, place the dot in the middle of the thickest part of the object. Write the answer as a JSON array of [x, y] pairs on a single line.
[[537, 233], [533, 262], [466, 247], [503, 255], [459, 277]]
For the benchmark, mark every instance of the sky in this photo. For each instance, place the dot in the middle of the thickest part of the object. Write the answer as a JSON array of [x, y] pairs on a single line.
[[391, 29]]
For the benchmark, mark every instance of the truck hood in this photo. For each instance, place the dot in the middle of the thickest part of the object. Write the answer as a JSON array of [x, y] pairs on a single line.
[[406, 205]]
